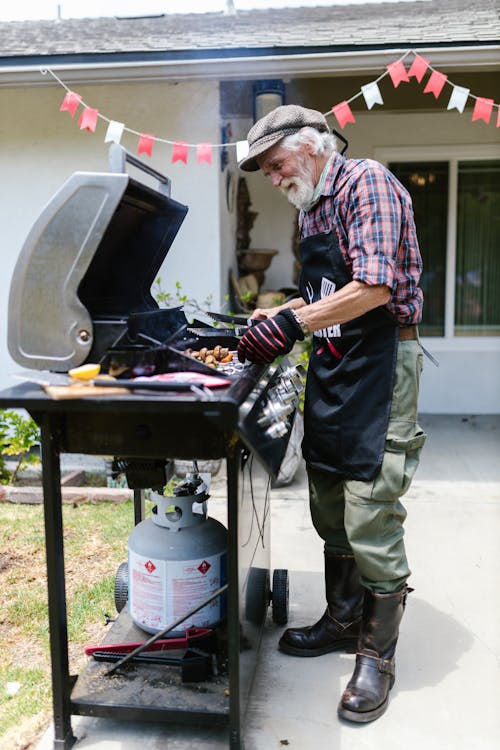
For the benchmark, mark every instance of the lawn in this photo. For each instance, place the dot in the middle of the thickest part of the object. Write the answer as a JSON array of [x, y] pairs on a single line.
[[95, 539]]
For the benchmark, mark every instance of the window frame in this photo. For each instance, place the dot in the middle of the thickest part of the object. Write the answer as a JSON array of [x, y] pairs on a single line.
[[453, 154]]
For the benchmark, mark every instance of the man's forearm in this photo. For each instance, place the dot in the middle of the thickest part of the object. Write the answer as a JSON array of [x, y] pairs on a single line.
[[353, 300], [269, 312]]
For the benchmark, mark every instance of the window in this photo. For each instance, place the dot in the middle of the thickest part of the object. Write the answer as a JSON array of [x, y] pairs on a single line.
[[427, 183], [477, 279], [456, 200]]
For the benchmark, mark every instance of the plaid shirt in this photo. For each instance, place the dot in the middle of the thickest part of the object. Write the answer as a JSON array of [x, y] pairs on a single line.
[[372, 215]]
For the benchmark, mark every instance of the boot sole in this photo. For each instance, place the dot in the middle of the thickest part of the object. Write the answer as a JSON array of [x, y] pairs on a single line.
[[349, 647], [363, 717]]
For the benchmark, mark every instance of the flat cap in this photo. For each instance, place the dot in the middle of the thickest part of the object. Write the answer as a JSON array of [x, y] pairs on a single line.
[[282, 121]]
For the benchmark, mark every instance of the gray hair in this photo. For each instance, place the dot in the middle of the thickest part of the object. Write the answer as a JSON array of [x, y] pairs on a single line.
[[322, 143]]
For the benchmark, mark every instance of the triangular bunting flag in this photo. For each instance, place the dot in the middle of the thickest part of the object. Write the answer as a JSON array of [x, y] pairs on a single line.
[[372, 95], [435, 83], [458, 98], [398, 73], [114, 132], [145, 145], [180, 152], [418, 67], [88, 119], [204, 153], [483, 109], [242, 149], [343, 113], [70, 103]]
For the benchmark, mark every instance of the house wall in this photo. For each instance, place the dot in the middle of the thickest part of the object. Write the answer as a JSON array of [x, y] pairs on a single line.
[[40, 147], [468, 377]]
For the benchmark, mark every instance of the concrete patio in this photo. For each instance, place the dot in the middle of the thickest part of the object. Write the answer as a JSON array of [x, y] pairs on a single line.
[[448, 677]]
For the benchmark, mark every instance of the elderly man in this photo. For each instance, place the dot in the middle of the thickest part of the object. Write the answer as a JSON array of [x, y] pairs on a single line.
[[361, 301]]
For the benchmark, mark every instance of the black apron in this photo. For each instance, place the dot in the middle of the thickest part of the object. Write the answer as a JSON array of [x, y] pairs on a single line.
[[350, 375]]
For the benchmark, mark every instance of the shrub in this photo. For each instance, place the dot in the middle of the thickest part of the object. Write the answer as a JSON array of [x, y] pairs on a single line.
[[18, 435]]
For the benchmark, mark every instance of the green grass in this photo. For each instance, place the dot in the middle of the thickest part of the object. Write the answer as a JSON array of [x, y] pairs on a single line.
[[95, 542]]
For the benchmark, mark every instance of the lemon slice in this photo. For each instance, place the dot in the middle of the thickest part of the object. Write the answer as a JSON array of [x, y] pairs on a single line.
[[85, 372]]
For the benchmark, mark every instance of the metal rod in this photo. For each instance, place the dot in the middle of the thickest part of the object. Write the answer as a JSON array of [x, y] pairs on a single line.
[[233, 471], [54, 546], [166, 630], [139, 507]]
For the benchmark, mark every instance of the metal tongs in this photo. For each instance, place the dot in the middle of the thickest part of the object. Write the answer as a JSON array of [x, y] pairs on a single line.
[[238, 324]]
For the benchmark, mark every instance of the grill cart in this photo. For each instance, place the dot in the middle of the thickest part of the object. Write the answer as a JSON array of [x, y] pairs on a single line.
[[80, 294]]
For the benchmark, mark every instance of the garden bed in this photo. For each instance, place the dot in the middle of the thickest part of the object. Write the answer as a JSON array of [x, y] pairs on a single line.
[[77, 486]]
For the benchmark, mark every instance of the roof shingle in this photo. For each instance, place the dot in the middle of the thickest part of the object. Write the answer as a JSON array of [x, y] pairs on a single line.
[[337, 26]]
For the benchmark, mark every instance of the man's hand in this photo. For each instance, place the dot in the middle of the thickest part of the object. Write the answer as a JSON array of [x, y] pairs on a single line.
[[263, 313], [266, 340]]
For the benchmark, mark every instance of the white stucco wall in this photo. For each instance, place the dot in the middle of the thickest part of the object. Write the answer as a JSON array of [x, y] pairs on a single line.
[[228, 184], [40, 147]]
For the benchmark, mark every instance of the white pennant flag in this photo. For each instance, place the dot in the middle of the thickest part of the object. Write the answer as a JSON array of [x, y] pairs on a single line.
[[241, 150], [114, 131], [372, 94], [458, 98]]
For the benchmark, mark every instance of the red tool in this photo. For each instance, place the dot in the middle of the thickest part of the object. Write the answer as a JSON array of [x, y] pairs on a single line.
[[191, 634]]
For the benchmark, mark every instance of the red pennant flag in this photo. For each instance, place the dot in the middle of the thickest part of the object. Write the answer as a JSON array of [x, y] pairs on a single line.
[[398, 73], [146, 143], [180, 152], [204, 153], [70, 103], [435, 83], [343, 113], [88, 120], [483, 109], [418, 67]]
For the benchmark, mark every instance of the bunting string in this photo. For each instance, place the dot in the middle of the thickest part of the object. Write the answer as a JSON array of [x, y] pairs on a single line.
[[397, 71]]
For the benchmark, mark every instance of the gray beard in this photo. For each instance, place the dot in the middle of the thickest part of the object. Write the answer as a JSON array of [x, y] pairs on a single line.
[[298, 191]]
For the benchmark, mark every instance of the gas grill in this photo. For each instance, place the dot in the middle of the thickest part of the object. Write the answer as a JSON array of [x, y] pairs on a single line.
[[81, 293]]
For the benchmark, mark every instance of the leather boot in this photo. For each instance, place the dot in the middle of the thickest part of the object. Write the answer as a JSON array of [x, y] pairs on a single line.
[[367, 694], [339, 626]]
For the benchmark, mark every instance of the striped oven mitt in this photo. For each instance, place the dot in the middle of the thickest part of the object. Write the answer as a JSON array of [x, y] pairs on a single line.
[[270, 338]]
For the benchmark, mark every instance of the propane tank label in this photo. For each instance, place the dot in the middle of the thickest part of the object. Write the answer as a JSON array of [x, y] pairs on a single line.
[[162, 591]]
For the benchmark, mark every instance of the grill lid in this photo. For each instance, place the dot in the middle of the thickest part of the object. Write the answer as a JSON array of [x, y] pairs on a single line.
[[92, 255]]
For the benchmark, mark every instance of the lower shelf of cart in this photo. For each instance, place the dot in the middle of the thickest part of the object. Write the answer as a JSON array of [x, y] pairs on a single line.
[[150, 692]]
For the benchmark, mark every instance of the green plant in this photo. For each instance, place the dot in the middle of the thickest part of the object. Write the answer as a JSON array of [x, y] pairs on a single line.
[[168, 490], [302, 354], [18, 435], [177, 298], [247, 296]]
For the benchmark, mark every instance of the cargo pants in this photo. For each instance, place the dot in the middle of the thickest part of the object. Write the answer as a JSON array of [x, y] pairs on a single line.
[[366, 518]]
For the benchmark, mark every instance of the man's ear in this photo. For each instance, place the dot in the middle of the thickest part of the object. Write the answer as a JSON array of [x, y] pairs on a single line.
[[310, 149]]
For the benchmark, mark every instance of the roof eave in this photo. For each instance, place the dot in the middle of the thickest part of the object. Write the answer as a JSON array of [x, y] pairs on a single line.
[[240, 64]]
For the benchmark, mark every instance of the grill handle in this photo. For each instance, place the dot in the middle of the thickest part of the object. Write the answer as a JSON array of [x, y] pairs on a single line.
[[118, 158]]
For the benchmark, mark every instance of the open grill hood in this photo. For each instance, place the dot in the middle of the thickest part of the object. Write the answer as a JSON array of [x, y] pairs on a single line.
[[91, 256]]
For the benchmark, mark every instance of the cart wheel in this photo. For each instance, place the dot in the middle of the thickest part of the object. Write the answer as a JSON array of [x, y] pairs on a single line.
[[257, 595], [280, 596], [121, 586]]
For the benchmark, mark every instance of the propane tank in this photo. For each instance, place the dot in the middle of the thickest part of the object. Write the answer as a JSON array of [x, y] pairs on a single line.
[[177, 559]]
